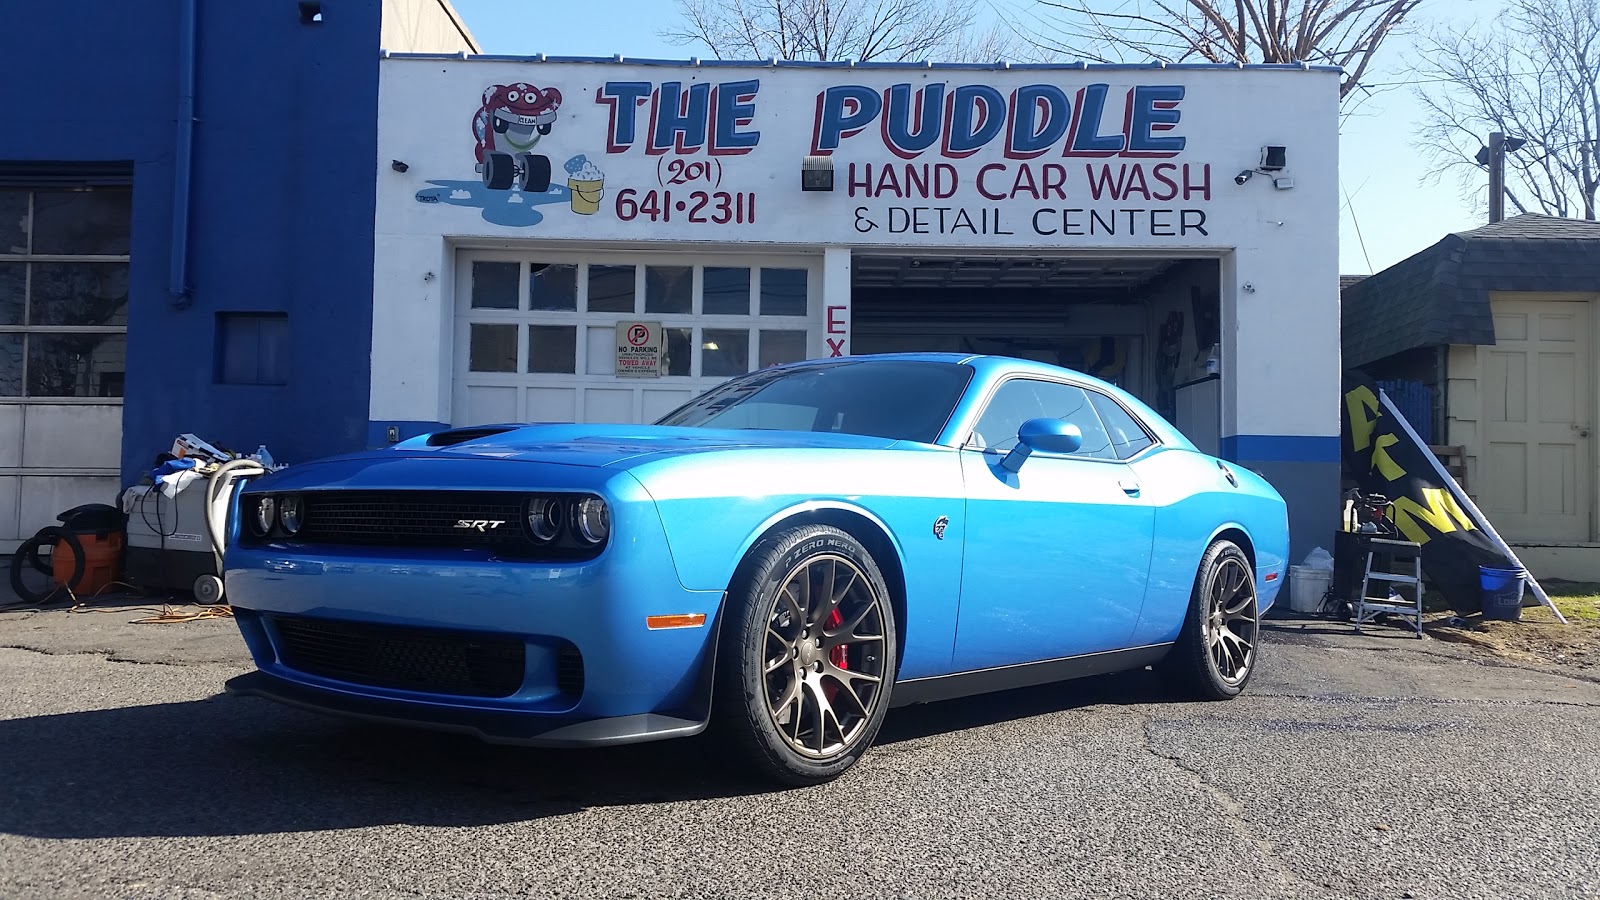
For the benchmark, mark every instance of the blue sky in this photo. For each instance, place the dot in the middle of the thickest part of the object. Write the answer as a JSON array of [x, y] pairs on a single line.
[[1391, 214]]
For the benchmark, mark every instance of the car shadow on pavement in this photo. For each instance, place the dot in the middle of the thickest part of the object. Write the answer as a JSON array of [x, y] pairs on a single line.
[[237, 766]]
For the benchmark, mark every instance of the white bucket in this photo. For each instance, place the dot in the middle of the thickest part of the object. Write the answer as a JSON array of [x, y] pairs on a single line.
[[1306, 587]]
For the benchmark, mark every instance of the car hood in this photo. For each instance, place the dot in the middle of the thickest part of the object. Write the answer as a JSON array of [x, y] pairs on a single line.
[[621, 445]]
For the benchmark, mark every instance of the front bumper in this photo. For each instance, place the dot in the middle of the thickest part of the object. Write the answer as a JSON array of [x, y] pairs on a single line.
[[514, 628], [492, 726]]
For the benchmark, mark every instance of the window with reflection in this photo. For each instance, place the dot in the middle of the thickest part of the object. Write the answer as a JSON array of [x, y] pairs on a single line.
[[64, 265]]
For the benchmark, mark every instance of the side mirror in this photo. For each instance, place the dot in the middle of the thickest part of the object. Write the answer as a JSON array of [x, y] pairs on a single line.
[[1049, 435]]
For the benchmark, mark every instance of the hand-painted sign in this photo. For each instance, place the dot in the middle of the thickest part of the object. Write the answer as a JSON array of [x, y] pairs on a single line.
[[1064, 158], [639, 350]]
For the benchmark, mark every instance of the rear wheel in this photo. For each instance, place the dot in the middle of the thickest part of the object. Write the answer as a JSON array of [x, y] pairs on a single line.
[[1216, 651], [535, 173], [808, 656]]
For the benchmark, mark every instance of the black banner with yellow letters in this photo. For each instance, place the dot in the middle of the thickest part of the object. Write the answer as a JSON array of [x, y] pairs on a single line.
[[1383, 456]]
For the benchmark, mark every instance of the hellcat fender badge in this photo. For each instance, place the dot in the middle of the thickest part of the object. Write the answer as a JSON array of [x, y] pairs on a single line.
[[939, 525]]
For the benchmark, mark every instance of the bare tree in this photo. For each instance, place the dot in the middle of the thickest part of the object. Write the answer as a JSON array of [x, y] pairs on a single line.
[[1534, 76], [1345, 33], [863, 30]]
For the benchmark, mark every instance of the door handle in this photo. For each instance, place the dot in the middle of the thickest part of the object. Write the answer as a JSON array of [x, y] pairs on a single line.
[[1131, 488], [1582, 430]]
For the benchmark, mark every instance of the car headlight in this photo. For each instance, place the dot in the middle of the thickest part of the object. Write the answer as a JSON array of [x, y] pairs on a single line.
[[291, 514], [265, 513], [591, 520], [544, 518]]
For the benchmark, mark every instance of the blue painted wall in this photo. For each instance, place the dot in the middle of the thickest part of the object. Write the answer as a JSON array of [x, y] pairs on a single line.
[[282, 209]]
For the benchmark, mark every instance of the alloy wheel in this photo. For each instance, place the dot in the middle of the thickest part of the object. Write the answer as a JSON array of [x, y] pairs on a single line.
[[824, 656], [1232, 622]]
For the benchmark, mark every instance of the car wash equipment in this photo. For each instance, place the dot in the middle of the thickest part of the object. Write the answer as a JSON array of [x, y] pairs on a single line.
[[85, 554], [175, 542], [221, 499]]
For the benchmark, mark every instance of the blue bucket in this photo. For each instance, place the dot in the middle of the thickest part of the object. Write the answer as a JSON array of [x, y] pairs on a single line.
[[1502, 592]]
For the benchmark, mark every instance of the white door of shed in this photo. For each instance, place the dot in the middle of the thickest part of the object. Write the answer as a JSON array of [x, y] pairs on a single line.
[[1536, 476]]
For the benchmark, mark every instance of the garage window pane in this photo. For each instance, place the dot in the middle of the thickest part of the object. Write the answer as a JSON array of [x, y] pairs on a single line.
[[493, 348], [782, 347], [13, 221], [79, 294], [11, 365], [13, 287], [552, 287], [82, 222], [611, 289], [76, 365], [668, 289], [726, 291], [680, 351], [783, 292], [553, 348], [724, 352], [494, 285]]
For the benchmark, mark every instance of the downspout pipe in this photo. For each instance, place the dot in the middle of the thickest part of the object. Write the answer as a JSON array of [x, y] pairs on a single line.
[[183, 174]]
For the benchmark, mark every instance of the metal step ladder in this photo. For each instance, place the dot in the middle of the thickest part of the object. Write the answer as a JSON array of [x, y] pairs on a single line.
[[1392, 584]]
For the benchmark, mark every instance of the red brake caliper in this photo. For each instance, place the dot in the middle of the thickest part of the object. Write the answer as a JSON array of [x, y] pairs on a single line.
[[839, 655]]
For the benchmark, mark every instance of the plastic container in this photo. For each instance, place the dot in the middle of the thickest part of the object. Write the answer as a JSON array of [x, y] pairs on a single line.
[[102, 561], [1306, 587], [1502, 592]]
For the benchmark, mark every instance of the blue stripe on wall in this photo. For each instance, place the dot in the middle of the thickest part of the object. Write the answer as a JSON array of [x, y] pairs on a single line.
[[1281, 448]]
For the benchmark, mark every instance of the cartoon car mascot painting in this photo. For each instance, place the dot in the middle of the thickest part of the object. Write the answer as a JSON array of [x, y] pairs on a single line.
[[508, 126]]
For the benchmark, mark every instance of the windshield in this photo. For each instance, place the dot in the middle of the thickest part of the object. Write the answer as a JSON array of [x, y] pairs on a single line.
[[908, 401]]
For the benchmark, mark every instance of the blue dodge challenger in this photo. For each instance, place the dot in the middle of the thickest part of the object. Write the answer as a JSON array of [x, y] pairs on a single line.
[[781, 560]]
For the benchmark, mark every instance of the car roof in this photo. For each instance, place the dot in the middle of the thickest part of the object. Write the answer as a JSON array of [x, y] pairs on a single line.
[[986, 364]]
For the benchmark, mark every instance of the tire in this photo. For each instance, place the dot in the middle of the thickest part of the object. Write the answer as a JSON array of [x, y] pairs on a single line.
[[789, 656], [207, 590], [29, 550], [499, 171], [1215, 654], [535, 173]]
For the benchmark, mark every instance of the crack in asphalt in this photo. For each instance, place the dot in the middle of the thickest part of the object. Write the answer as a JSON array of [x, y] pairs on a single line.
[[110, 656], [1232, 813], [1425, 701]]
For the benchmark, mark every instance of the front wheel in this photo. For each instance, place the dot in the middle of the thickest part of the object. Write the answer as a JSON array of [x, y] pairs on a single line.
[[1216, 651], [808, 656]]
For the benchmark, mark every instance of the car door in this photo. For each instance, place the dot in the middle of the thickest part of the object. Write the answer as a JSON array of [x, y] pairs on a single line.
[[1057, 553]]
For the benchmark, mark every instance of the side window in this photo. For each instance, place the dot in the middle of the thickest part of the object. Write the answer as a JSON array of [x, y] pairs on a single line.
[[1022, 399], [1128, 437]]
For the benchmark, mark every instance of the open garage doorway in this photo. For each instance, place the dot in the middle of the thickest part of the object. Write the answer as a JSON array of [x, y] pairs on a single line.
[[1148, 324]]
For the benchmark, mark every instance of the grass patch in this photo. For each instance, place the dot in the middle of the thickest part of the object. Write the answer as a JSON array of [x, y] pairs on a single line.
[[1579, 601]]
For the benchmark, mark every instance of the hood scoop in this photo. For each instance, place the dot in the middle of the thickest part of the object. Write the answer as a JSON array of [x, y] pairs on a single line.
[[462, 435]]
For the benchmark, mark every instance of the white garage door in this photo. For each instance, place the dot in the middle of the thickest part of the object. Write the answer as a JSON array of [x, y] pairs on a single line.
[[63, 348], [535, 334]]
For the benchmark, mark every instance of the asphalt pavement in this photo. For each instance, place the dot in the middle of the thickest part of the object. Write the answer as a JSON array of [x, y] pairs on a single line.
[[1355, 766]]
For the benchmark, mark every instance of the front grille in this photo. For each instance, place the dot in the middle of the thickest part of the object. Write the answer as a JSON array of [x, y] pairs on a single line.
[[415, 518], [569, 671], [412, 659]]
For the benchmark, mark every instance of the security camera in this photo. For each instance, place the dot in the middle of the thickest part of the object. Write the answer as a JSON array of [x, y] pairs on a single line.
[[1242, 177], [398, 166]]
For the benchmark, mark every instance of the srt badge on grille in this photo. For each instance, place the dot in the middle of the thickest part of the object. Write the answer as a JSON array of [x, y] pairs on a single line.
[[479, 524]]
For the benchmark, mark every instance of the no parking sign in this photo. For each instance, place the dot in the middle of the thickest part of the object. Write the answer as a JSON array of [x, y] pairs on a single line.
[[639, 349]]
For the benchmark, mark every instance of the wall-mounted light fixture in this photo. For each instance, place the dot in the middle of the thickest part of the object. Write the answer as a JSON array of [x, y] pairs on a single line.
[[1274, 158], [816, 173]]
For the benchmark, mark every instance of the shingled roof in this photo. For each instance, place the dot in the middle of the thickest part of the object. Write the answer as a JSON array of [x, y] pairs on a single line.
[[1441, 295]]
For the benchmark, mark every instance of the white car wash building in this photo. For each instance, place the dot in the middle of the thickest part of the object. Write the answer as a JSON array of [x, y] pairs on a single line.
[[600, 240]]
